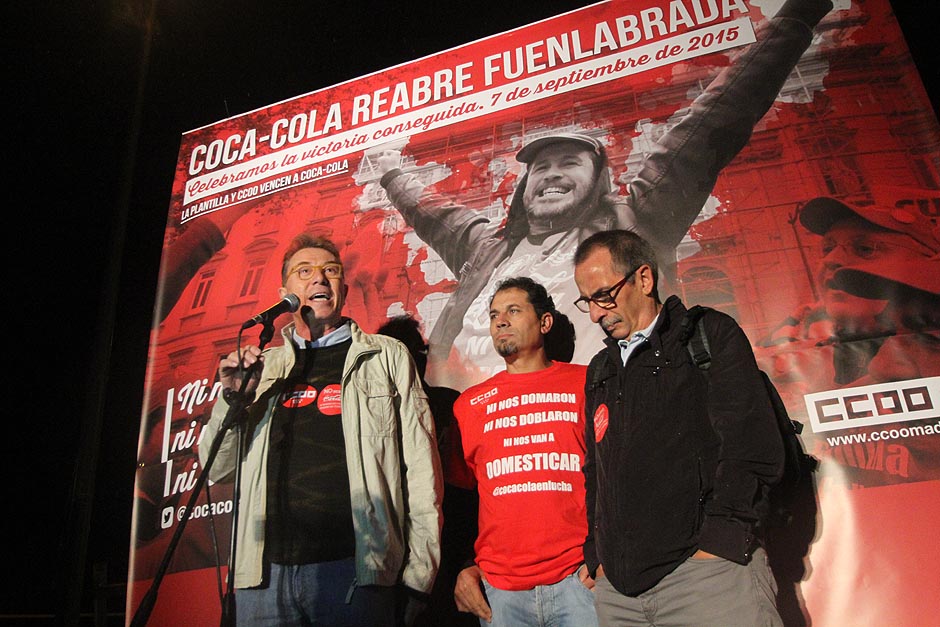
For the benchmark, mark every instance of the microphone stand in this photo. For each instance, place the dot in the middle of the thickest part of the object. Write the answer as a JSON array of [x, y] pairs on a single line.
[[237, 401]]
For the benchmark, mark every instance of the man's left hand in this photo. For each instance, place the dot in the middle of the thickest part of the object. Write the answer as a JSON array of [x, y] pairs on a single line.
[[468, 593]]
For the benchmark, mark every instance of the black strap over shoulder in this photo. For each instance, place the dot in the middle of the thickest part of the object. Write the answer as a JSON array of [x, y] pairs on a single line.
[[696, 343], [797, 462]]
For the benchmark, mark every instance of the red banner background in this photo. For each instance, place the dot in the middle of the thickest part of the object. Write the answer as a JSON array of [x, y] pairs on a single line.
[[852, 122]]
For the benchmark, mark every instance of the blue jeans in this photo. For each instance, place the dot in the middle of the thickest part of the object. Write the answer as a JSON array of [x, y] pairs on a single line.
[[564, 604], [315, 595]]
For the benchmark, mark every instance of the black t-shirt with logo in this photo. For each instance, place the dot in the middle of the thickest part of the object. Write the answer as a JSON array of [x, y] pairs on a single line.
[[309, 516]]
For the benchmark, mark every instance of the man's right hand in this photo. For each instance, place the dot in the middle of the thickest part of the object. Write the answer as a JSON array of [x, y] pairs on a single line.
[[228, 369], [468, 593], [388, 160]]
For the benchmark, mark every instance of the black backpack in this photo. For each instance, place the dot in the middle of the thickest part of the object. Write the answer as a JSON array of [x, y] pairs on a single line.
[[798, 465]]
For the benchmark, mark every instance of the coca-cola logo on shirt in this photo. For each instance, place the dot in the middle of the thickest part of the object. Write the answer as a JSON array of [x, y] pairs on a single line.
[[329, 402], [601, 420]]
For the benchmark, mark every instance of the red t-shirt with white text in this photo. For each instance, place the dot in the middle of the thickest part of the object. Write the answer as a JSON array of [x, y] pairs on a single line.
[[523, 440]]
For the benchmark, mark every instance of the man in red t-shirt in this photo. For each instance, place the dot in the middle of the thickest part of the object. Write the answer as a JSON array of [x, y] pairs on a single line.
[[522, 432]]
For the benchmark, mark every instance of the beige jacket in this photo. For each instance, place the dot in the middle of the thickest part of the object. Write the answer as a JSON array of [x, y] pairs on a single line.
[[394, 470]]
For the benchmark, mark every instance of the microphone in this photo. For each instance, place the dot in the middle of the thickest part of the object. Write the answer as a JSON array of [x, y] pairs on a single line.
[[288, 304]]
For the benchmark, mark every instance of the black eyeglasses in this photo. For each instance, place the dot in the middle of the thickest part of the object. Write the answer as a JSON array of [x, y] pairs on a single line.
[[605, 299]]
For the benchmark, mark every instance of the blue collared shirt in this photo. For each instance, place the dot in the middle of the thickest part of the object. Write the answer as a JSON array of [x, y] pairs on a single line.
[[341, 334], [628, 346]]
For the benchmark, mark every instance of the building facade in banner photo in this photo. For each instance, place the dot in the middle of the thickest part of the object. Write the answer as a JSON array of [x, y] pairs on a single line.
[[788, 177]]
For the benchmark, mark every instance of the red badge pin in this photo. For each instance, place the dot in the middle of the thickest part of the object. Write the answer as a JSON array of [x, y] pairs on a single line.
[[329, 402], [601, 420]]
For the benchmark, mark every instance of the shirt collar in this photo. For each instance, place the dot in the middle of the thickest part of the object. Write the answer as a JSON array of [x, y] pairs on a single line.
[[340, 334], [627, 346]]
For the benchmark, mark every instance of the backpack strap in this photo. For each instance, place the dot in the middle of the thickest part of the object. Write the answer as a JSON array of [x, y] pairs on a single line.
[[693, 335], [798, 462]]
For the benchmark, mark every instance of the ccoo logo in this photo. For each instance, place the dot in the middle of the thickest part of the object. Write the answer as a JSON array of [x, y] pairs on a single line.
[[300, 396]]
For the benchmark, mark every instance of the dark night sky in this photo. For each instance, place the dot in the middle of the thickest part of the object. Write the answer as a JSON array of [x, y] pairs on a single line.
[[76, 162]]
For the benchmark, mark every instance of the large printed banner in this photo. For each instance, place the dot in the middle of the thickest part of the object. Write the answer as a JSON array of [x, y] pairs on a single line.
[[792, 183]]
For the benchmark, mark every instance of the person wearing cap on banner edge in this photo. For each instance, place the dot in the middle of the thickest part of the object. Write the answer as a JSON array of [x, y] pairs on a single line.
[[850, 325], [566, 195], [340, 508], [877, 320]]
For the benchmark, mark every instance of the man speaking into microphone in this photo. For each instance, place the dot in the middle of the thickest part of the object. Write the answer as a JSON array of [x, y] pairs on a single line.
[[339, 514]]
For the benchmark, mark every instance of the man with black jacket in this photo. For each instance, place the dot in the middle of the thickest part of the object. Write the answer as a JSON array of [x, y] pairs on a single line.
[[677, 465]]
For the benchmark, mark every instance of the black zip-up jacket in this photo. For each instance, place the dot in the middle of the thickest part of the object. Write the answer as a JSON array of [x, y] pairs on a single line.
[[685, 461]]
